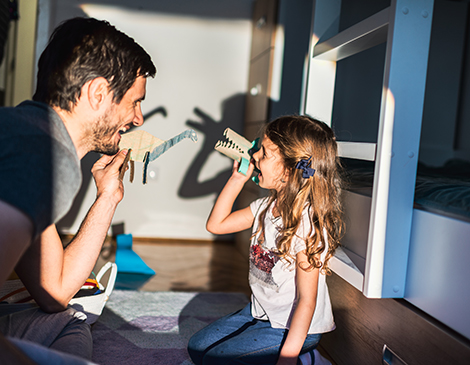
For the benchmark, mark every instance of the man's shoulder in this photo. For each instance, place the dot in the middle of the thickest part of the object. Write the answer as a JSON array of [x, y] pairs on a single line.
[[32, 119], [37, 148], [26, 117], [27, 106]]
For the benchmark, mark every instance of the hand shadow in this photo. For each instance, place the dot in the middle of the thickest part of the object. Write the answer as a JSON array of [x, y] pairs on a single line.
[[232, 117]]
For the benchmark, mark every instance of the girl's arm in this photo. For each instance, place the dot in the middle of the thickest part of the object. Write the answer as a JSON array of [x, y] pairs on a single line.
[[222, 220], [307, 286]]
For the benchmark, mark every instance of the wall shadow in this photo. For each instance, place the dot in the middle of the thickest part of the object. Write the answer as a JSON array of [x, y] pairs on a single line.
[[233, 109]]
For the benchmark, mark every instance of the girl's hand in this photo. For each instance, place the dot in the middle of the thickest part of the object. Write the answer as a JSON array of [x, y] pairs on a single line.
[[238, 176]]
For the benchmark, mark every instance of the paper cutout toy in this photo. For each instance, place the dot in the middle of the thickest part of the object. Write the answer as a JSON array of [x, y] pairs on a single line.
[[238, 148], [127, 260], [146, 148], [132, 271], [122, 170]]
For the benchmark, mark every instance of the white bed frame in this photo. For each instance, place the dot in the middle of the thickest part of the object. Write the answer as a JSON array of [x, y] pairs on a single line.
[[392, 250]]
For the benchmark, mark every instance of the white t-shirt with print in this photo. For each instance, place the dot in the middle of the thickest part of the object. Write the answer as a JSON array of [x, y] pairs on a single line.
[[272, 280]]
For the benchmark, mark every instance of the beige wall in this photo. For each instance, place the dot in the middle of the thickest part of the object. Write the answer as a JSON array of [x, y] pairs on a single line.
[[20, 54]]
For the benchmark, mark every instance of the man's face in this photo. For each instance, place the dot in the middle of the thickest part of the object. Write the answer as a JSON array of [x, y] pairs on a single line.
[[119, 118]]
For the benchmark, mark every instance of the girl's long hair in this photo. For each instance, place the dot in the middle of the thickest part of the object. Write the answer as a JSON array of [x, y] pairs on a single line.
[[300, 138]]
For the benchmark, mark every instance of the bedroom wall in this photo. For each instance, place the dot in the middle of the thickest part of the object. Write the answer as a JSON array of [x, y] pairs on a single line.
[[201, 50], [463, 128], [446, 126]]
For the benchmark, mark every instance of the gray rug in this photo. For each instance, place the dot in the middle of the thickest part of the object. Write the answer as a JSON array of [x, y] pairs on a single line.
[[154, 327]]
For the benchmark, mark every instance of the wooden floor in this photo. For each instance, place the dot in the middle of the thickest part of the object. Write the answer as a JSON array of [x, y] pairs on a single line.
[[188, 266]]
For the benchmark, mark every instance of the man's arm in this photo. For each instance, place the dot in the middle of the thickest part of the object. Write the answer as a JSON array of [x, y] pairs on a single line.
[[16, 234], [53, 274]]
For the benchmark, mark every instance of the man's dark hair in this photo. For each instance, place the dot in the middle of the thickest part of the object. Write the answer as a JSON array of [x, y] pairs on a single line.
[[82, 49]]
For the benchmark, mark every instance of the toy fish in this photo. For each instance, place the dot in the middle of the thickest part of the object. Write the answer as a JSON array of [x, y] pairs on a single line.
[[238, 148], [146, 148]]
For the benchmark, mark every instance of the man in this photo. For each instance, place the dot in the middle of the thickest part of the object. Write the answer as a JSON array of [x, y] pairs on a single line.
[[90, 85]]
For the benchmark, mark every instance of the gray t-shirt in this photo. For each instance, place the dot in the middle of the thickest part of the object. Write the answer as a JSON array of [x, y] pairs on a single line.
[[39, 168]]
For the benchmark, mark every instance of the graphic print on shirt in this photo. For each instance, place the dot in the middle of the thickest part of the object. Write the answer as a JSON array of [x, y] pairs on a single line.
[[261, 264]]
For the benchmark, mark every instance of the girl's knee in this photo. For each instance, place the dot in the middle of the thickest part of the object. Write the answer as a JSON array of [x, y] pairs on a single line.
[[193, 344], [196, 349], [215, 357]]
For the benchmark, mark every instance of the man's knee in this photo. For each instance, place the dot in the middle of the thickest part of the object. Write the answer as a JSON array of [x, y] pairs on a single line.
[[75, 338]]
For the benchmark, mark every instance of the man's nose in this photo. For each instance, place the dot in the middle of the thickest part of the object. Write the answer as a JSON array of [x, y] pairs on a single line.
[[139, 117]]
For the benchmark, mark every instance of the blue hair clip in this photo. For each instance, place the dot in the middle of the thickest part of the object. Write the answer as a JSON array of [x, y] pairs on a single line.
[[303, 165]]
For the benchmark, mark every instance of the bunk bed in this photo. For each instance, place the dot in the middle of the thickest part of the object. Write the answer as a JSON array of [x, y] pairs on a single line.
[[444, 190], [407, 216]]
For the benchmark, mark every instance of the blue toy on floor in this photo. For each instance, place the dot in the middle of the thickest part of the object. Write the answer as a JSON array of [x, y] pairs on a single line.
[[133, 272]]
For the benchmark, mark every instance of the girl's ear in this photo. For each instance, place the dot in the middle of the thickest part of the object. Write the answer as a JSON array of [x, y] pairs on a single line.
[[97, 91], [285, 175]]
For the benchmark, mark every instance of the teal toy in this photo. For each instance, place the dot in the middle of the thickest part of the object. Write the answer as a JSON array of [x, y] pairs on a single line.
[[238, 148], [132, 271], [127, 260]]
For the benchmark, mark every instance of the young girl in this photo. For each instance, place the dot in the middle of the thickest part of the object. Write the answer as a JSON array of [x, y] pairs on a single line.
[[295, 232]]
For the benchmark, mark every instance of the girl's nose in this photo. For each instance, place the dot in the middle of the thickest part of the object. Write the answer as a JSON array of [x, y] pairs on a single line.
[[255, 156]]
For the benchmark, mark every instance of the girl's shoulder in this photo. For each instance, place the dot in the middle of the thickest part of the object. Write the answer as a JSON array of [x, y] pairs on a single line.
[[258, 205], [306, 221]]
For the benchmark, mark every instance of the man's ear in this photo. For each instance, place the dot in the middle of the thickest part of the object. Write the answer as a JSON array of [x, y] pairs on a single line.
[[96, 91]]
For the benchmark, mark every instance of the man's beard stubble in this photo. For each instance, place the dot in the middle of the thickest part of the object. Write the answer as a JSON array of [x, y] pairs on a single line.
[[102, 136]]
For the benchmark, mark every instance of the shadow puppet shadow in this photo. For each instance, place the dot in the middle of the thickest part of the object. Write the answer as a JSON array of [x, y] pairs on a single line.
[[233, 110]]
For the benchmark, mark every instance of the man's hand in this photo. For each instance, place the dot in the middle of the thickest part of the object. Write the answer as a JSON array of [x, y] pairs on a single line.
[[106, 174]]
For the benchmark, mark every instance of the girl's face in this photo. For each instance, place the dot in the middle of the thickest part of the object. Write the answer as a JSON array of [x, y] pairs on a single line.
[[269, 161]]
